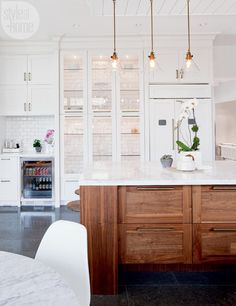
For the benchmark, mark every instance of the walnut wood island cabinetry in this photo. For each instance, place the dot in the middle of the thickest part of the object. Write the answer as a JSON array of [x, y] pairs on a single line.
[[157, 227]]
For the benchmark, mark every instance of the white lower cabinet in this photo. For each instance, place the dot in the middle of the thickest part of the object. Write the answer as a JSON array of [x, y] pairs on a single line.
[[9, 180]]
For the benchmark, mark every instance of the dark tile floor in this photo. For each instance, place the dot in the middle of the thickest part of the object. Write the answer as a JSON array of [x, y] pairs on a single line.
[[21, 232]]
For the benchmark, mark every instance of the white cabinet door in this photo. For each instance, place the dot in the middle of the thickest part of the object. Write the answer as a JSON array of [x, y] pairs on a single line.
[[13, 100], [162, 128], [200, 69], [9, 178], [13, 69], [165, 69], [41, 69], [41, 99]]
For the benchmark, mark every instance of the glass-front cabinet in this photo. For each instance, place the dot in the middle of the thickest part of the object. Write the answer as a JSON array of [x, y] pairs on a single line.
[[101, 110]]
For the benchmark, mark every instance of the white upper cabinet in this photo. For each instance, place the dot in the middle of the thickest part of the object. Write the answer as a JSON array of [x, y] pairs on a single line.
[[166, 68], [13, 69], [171, 68], [28, 85], [200, 69], [41, 100], [41, 69]]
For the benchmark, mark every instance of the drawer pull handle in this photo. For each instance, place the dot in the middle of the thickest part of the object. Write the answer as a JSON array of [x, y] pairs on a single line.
[[151, 230], [154, 188], [5, 159], [223, 230], [5, 181], [224, 188]]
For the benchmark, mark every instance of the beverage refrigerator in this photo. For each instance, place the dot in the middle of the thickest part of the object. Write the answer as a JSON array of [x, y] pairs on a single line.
[[38, 179]]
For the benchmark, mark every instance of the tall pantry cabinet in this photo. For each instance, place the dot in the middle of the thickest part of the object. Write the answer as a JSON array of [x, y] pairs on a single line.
[[101, 112]]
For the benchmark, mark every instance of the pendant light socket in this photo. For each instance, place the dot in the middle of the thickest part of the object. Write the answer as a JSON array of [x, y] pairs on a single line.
[[189, 56]]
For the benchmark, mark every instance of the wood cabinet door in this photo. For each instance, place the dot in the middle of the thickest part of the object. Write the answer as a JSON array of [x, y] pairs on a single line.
[[155, 204], [214, 243], [155, 243], [214, 204]]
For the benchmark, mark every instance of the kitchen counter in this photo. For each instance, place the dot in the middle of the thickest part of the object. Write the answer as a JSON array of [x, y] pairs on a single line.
[[151, 173], [30, 154]]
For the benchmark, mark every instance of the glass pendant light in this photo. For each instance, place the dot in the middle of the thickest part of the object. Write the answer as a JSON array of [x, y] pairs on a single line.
[[114, 57], [152, 54], [189, 56]]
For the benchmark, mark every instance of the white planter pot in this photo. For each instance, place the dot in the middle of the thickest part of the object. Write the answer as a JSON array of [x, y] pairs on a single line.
[[197, 155]]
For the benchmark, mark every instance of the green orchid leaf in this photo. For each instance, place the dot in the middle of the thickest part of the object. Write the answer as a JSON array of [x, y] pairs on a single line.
[[182, 146]]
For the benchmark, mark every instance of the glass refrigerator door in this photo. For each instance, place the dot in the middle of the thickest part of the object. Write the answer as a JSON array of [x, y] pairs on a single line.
[[37, 179]]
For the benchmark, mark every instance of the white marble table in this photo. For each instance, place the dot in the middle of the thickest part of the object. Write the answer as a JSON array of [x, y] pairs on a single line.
[[25, 281]]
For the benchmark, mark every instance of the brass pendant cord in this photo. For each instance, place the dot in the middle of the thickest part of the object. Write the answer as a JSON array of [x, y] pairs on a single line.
[[189, 40], [152, 44], [114, 23]]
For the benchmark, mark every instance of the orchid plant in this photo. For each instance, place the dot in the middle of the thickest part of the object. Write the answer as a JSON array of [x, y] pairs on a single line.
[[188, 110], [49, 138]]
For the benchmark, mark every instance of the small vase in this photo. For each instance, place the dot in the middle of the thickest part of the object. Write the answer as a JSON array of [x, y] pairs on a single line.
[[166, 163], [38, 149]]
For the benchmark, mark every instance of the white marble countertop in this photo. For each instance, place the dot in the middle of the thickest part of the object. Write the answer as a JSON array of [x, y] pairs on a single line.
[[151, 173], [25, 281], [31, 154]]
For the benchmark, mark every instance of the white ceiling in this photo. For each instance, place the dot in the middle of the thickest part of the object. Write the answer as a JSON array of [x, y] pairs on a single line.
[[83, 18], [163, 7]]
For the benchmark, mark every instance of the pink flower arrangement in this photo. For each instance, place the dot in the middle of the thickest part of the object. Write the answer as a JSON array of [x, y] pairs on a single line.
[[49, 138]]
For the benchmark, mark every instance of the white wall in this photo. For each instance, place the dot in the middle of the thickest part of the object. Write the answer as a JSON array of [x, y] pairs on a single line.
[[226, 122]]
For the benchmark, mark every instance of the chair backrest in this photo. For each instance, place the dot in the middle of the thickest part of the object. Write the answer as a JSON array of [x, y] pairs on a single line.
[[64, 248]]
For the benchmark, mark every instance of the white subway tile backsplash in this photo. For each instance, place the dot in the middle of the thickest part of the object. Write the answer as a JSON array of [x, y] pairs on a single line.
[[26, 129]]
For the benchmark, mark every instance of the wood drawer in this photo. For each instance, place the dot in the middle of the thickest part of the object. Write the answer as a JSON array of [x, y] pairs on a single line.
[[155, 204], [213, 204], [155, 243], [214, 243]]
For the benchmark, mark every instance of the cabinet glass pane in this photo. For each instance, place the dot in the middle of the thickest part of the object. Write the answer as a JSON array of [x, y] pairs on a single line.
[[130, 138], [101, 84], [129, 84], [73, 136], [102, 138], [73, 83]]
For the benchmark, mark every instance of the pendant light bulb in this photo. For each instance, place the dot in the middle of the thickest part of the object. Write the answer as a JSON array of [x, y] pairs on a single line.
[[114, 57], [114, 60], [152, 58], [188, 58]]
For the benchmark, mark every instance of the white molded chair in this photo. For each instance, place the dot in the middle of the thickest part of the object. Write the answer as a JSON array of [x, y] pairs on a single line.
[[64, 248]]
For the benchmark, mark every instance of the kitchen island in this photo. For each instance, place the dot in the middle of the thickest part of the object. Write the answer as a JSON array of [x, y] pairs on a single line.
[[142, 217]]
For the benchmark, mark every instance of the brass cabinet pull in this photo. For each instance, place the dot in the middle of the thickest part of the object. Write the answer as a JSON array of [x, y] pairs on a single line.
[[218, 230], [223, 188], [151, 230], [155, 188]]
